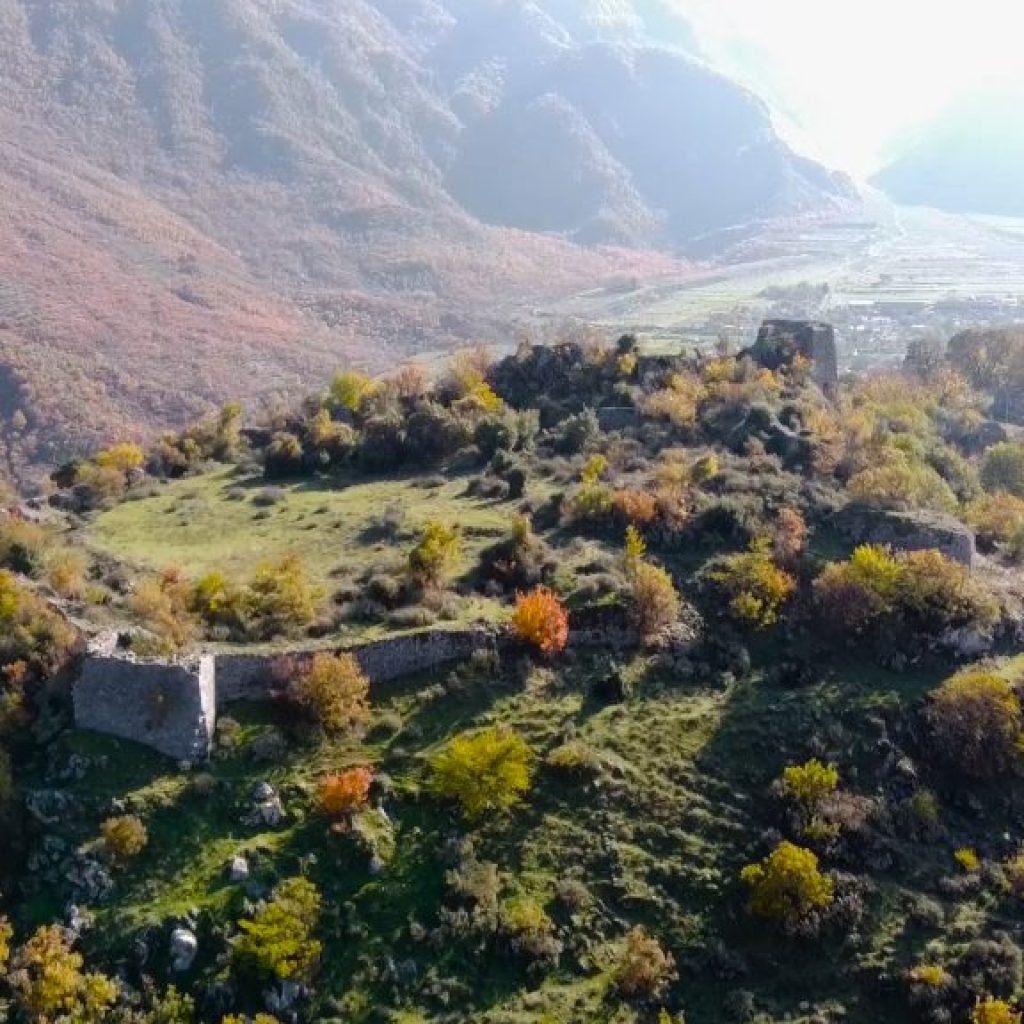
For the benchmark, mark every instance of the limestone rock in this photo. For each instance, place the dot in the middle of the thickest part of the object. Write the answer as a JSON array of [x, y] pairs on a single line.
[[907, 531], [238, 869], [184, 947]]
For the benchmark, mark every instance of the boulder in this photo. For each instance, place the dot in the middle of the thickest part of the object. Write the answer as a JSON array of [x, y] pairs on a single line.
[[779, 342], [184, 947], [907, 531], [238, 869]]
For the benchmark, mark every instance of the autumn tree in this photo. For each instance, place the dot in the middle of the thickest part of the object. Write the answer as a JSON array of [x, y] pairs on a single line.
[[124, 837], [654, 598], [754, 587], [485, 771], [345, 792], [787, 885], [541, 620], [278, 942], [48, 984], [336, 692]]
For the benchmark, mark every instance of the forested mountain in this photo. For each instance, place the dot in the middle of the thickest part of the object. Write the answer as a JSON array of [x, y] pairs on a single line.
[[247, 192]]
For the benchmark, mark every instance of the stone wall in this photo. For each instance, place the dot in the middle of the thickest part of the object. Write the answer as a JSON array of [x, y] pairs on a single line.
[[169, 706], [172, 706], [251, 677], [907, 531]]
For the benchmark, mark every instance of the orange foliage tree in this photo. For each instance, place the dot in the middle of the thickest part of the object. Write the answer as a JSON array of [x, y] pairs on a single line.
[[541, 620], [341, 794]]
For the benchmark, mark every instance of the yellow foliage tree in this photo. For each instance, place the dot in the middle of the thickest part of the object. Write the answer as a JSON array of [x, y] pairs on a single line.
[[48, 983], [485, 771], [994, 1011], [337, 692], [787, 885], [541, 620]]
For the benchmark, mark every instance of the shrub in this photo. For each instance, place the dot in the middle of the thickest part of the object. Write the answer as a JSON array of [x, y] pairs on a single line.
[[790, 536], [754, 586], [997, 518], [34, 640], [975, 721], [787, 885], [124, 837], [6, 935], [280, 598], [968, 860], [162, 604], [350, 390], [994, 1011], [278, 941], [283, 457], [811, 782], [48, 984], [902, 483], [1003, 468], [530, 930], [122, 457], [484, 771], [636, 507], [655, 600], [6, 778], [437, 552], [66, 573], [921, 593], [347, 792], [644, 968], [541, 621], [217, 601], [335, 690], [23, 547]]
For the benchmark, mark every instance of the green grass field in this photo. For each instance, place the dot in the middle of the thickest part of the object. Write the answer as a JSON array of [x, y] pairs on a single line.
[[212, 522]]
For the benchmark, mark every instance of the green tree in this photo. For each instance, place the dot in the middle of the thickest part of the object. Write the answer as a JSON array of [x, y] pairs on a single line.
[[484, 771], [278, 942]]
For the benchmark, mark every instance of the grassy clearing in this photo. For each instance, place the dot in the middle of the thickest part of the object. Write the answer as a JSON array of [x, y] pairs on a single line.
[[215, 522]]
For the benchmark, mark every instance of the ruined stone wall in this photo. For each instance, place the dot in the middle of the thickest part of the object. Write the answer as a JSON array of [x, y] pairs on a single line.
[[169, 706], [251, 677], [907, 531]]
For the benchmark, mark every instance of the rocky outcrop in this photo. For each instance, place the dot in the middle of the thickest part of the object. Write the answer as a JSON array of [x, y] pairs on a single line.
[[907, 531], [780, 342]]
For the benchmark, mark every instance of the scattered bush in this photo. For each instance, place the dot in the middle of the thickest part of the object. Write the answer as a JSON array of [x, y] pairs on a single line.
[[335, 690], [485, 771], [48, 984], [124, 838], [437, 552], [162, 604], [787, 885], [347, 792], [541, 621], [811, 782], [1003, 468], [997, 518], [915, 594], [655, 600], [644, 968], [994, 1011], [968, 860], [754, 587], [278, 943], [280, 599], [975, 721]]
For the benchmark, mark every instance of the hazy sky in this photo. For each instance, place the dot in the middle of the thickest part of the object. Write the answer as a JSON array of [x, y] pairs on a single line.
[[858, 75]]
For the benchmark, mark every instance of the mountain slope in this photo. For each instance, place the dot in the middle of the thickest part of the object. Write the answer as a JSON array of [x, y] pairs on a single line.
[[198, 191], [968, 161]]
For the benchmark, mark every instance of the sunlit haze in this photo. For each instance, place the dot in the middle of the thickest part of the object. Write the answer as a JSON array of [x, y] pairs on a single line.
[[854, 77]]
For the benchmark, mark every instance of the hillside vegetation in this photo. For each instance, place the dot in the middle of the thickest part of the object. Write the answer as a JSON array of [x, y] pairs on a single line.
[[723, 762], [243, 193]]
